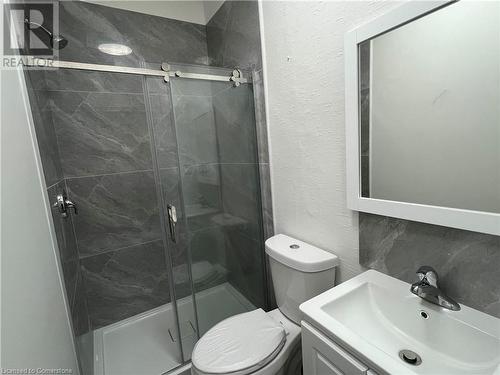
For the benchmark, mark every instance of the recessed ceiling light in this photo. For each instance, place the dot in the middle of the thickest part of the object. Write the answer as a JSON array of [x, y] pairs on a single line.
[[115, 49]]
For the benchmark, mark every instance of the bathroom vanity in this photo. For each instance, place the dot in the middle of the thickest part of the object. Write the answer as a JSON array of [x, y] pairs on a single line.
[[373, 324], [322, 355]]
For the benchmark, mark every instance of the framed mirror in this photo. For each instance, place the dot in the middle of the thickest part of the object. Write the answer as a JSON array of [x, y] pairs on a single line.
[[423, 114]]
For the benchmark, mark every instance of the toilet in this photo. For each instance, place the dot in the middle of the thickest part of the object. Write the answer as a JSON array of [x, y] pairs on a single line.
[[263, 343]]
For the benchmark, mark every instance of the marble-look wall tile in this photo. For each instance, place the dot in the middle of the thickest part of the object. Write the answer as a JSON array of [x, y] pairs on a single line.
[[260, 116], [66, 243], [81, 80], [156, 85], [241, 197], [202, 192], [151, 38], [467, 262], [115, 211], [207, 244], [100, 123], [170, 184], [63, 226], [79, 311], [180, 266], [263, 154], [266, 198], [45, 135], [70, 270], [233, 36], [194, 122], [164, 130], [124, 283], [70, 263], [235, 122], [100, 133], [246, 266]]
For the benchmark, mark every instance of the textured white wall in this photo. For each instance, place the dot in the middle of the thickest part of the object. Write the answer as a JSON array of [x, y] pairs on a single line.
[[304, 64]]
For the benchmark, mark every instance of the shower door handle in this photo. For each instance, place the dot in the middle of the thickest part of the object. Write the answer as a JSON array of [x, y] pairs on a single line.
[[172, 221]]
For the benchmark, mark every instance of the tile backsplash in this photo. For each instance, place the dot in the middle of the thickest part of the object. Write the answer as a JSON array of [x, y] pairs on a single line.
[[468, 263]]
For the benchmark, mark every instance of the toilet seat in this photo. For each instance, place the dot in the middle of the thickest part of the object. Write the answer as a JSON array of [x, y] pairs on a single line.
[[239, 345]]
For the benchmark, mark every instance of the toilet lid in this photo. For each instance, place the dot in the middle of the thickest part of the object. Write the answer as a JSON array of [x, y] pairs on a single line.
[[239, 345]]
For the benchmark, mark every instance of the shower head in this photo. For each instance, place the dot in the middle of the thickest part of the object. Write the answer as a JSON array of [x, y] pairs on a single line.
[[56, 41]]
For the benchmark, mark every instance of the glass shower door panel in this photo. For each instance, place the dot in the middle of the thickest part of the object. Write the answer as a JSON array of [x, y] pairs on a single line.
[[95, 133], [216, 136], [167, 161]]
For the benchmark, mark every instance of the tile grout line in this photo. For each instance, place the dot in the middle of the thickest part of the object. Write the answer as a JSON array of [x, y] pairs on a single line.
[[54, 184], [94, 92], [109, 174], [118, 249], [150, 170], [99, 92]]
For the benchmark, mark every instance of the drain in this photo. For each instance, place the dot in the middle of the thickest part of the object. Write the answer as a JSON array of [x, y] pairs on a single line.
[[410, 357], [424, 314]]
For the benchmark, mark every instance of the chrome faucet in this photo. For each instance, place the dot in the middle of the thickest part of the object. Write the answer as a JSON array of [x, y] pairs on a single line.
[[427, 289]]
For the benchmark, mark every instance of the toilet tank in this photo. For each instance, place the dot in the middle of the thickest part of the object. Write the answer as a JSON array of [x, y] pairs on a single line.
[[299, 272]]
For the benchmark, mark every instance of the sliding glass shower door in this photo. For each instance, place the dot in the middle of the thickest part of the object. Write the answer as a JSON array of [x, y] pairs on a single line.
[[219, 240], [168, 237]]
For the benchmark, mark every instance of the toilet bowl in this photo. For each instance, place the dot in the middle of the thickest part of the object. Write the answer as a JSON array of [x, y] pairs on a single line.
[[261, 343]]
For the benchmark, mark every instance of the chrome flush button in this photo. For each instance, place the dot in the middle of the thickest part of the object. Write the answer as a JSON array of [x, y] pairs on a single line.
[[294, 246]]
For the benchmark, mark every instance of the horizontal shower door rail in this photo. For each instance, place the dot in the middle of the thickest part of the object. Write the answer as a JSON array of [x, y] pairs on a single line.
[[236, 76]]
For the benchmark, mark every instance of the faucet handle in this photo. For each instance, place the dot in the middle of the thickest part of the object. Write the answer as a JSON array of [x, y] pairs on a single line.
[[428, 274]]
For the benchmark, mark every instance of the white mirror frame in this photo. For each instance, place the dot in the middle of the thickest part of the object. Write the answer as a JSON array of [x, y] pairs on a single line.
[[477, 221]]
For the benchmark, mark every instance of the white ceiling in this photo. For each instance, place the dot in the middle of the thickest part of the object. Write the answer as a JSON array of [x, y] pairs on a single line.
[[195, 11]]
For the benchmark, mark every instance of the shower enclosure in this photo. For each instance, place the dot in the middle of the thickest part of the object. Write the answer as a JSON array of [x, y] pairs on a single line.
[[167, 238]]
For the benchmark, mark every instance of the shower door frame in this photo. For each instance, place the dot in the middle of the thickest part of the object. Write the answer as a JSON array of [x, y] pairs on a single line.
[[166, 73]]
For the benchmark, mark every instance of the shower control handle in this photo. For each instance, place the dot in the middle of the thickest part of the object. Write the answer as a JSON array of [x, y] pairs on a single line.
[[172, 221], [64, 204]]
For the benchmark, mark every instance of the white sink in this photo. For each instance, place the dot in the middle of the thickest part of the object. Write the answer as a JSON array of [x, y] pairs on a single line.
[[376, 316]]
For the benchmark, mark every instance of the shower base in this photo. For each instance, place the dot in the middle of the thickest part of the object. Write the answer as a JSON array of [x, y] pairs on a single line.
[[146, 344]]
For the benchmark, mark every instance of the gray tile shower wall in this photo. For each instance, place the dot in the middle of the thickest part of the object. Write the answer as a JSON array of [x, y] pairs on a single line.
[[108, 171], [200, 174], [233, 37], [116, 211], [263, 153], [170, 186], [45, 134], [93, 130], [100, 133], [96, 132], [152, 39], [70, 262], [125, 282], [467, 262]]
